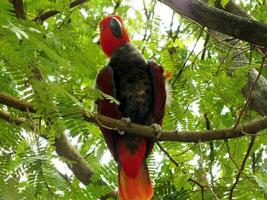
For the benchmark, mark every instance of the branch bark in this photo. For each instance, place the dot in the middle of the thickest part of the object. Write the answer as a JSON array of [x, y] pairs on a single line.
[[224, 22], [79, 166], [231, 7], [18, 8], [165, 135], [181, 136], [15, 103], [258, 100]]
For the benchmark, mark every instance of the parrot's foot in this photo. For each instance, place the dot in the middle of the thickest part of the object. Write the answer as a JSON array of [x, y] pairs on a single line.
[[127, 121], [157, 129]]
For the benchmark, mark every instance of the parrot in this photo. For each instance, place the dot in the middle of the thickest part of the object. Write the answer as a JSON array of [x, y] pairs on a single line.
[[139, 86]]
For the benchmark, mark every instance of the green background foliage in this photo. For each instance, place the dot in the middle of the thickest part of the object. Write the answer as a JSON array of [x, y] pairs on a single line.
[[53, 65]]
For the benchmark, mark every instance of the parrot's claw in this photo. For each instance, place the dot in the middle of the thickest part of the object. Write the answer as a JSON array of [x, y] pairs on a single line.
[[127, 121], [121, 132], [157, 129]]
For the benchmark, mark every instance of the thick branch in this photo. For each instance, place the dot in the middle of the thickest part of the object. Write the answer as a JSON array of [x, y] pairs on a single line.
[[227, 23], [18, 121], [15, 103], [79, 166], [259, 98], [44, 16], [181, 136], [233, 8]]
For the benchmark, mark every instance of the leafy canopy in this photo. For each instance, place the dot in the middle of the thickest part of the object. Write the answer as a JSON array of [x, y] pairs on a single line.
[[53, 65]]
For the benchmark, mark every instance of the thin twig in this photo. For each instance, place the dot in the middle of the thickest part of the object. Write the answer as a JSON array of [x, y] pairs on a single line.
[[117, 5], [186, 150], [37, 133], [45, 15], [184, 64], [242, 167], [149, 17], [171, 25], [201, 187], [168, 155], [205, 174], [230, 155], [207, 39]]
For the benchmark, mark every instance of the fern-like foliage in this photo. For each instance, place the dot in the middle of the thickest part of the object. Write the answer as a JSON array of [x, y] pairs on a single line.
[[53, 66]]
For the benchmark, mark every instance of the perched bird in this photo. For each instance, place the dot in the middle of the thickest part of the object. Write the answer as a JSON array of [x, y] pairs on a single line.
[[139, 86]]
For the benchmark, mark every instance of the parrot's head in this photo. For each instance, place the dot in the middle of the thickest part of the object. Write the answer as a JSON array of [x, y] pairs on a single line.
[[112, 34]]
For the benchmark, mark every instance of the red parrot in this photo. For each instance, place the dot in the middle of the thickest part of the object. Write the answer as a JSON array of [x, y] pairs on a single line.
[[139, 86]]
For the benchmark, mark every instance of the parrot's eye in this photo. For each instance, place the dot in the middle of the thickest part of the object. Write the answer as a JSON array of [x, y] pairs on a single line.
[[116, 27]]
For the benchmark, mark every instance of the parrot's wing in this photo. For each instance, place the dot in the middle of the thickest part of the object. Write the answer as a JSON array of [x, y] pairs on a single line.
[[158, 79], [159, 91], [105, 83]]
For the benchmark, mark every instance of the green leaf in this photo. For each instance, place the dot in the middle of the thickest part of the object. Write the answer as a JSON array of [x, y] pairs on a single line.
[[224, 3]]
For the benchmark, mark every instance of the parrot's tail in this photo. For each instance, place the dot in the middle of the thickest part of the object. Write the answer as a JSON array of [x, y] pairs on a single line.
[[135, 188]]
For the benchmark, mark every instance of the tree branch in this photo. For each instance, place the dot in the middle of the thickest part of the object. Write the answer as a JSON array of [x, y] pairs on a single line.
[[15, 103], [64, 148], [7, 117], [19, 8], [259, 99], [231, 7], [168, 155], [181, 136], [224, 22], [242, 167], [201, 187], [184, 66], [165, 135], [79, 166], [44, 16], [250, 94]]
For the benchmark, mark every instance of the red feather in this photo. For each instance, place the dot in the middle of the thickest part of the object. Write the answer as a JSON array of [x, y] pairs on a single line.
[[160, 96], [105, 83]]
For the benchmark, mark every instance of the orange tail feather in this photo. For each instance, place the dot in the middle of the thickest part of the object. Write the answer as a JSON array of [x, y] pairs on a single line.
[[135, 188]]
